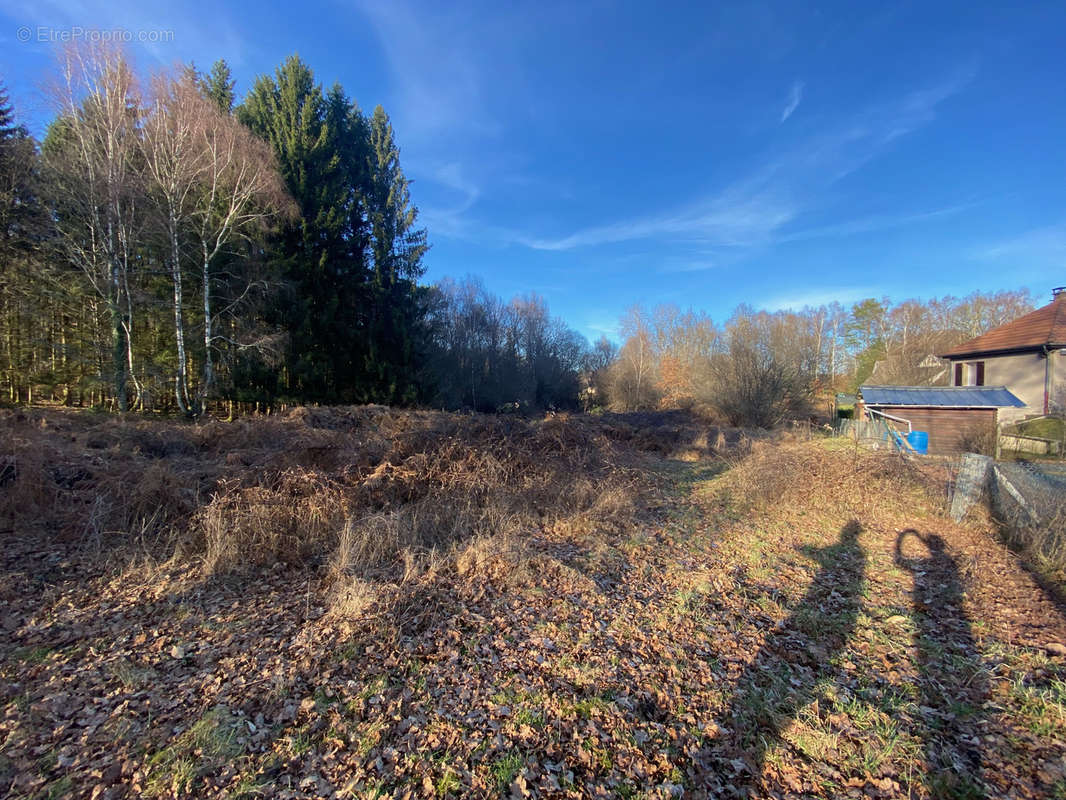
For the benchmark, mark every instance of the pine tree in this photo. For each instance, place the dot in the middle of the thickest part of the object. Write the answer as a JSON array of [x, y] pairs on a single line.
[[18, 237], [218, 86], [397, 333], [309, 135], [398, 247], [17, 155], [8, 128], [355, 312]]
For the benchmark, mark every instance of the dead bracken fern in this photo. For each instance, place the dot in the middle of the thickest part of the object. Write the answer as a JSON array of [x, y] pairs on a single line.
[[360, 490], [820, 476]]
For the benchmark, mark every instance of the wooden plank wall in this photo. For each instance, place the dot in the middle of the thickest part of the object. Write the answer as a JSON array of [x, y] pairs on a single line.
[[946, 426]]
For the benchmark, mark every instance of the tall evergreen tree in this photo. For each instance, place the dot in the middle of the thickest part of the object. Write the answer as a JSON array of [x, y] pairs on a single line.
[[8, 128], [325, 275], [23, 228], [397, 335], [218, 86], [18, 206]]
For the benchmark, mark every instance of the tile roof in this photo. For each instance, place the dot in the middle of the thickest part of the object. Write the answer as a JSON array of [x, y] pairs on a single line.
[[1044, 327], [942, 396]]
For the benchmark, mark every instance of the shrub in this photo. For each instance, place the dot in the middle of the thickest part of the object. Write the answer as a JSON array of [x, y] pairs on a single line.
[[980, 439]]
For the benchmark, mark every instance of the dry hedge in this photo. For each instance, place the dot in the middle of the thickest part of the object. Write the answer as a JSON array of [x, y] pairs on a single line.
[[781, 477], [363, 483]]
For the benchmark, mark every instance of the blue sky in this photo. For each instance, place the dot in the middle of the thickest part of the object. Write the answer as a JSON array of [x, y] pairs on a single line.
[[604, 153]]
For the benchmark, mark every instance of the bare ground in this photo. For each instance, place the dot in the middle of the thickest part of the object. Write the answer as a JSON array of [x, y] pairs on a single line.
[[767, 619]]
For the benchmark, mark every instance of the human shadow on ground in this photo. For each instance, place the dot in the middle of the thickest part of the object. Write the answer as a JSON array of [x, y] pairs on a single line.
[[952, 681], [782, 678]]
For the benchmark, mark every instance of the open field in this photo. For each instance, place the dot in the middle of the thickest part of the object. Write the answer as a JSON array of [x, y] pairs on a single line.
[[373, 603]]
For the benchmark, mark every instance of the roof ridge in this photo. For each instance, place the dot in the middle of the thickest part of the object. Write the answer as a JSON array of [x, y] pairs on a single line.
[[1030, 331], [1059, 317], [928, 388]]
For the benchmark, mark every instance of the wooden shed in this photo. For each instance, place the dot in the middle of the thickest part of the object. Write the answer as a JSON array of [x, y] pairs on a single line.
[[950, 414]]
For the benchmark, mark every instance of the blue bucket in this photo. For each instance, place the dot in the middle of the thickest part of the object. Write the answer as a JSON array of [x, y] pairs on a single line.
[[919, 441]]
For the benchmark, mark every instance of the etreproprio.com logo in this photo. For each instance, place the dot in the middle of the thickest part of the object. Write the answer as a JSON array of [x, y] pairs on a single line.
[[76, 33]]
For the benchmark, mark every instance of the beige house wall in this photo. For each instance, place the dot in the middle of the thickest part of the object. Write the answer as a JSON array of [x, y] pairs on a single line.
[[1058, 381], [1023, 374]]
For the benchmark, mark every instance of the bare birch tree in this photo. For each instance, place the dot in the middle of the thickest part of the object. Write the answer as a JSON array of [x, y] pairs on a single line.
[[239, 194], [90, 163], [633, 376], [176, 164]]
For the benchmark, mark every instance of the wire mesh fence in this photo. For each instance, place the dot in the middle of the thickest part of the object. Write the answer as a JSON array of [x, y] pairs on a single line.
[[1028, 499]]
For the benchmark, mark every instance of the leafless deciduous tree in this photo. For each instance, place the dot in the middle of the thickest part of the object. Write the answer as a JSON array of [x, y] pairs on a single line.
[[241, 192], [176, 165], [92, 171], [214, 183], [764, 375]]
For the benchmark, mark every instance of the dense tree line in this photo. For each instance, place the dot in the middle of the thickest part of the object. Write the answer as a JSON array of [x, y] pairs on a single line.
[[169, 246], [490, 355], [759, 368]]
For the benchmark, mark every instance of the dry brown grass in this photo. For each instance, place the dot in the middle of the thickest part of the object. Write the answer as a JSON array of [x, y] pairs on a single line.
[[360, 491], [784, 477]]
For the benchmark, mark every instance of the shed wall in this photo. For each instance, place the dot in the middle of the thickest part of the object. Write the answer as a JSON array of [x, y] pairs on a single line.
[[947, 427]]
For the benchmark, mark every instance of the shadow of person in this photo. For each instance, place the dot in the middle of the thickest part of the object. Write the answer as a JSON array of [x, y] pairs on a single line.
[[781, 679], [952, 681]]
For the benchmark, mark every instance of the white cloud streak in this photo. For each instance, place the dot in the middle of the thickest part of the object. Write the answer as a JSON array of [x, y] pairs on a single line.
[[740, 216], [876, 222], [1040, 246], [754, 210], [795, 96], [437, 79], [451, 219], [818, 297]]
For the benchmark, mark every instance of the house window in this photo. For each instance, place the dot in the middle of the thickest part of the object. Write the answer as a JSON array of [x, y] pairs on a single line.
[[972, 373]]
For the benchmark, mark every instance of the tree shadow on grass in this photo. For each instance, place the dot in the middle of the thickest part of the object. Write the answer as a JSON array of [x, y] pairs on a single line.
[[782, 678], [951, 679]]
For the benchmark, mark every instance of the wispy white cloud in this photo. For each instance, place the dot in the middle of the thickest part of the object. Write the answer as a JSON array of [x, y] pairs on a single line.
[[697, 264], [448, 216], [1040, 247], [753, 210], [737, 217], [795, 96], [438, 81], [875, 222], [818, 297], [443, 62]]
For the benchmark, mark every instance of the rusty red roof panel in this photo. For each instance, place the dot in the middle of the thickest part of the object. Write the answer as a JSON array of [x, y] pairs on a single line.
[[1041, 328]]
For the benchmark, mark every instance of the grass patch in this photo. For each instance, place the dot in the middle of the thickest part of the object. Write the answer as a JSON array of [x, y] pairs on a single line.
[[32, 655], [211, 742], [505, 769], [1042, 708]]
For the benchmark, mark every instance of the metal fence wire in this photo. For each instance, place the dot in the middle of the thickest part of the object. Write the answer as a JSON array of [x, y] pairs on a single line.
[[1028, 499]]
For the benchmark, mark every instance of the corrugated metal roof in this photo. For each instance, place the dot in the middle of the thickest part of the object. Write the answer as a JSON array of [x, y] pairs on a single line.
[[944, 396]]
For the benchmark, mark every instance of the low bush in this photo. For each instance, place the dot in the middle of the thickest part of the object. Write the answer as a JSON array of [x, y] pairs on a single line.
[[358, 487], [980, 439]]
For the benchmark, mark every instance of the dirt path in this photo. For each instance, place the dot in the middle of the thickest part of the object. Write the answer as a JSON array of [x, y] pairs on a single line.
[[799, 639]]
